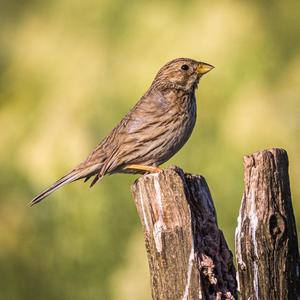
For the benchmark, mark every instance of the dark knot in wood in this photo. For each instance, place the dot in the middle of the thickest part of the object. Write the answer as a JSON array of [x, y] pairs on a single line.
[[276, 225], [266, 237]]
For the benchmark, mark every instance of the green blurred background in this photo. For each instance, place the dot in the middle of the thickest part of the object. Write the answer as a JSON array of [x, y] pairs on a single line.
[[69, 70]]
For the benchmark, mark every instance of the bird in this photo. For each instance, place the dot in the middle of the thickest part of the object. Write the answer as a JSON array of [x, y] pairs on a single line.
[[150, 133]]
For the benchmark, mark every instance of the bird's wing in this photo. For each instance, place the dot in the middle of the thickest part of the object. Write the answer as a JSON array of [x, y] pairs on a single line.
[[134, 137], [122, 145]]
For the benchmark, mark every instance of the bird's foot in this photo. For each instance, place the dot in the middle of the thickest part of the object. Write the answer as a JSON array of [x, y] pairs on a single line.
[[149, 169]]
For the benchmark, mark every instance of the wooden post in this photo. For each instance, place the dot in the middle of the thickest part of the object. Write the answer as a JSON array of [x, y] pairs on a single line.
[[187, 253], [266, 237]]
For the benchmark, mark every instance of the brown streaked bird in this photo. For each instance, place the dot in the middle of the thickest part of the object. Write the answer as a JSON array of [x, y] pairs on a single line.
[[151, 133]]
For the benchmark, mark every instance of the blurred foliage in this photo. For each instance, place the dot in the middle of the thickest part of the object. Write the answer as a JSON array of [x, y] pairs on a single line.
[[69, 70]]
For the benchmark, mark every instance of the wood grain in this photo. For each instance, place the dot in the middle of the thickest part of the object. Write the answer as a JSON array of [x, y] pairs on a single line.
[[266, 237], [187, 253]]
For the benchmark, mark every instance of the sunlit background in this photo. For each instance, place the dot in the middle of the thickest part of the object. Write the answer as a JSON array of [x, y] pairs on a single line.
[[69, 70]]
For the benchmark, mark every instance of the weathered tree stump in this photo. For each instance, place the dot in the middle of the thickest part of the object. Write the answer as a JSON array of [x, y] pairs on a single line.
[[266, 237], [187, 253]]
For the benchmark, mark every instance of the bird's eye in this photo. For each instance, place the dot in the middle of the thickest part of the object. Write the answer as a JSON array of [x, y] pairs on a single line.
[[184, 67]]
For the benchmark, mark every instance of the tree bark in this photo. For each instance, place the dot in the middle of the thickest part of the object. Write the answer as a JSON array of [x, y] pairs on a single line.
[[266, 238], [187, 253]]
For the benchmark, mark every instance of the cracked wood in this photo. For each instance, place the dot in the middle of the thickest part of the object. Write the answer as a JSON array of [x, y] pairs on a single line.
[[266, 238], [187, 253]]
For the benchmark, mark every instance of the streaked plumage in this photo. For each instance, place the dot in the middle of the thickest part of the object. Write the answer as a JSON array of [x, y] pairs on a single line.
[[153, 130]]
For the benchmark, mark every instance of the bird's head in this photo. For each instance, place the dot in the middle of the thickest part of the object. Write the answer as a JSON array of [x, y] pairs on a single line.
[[181, 73]]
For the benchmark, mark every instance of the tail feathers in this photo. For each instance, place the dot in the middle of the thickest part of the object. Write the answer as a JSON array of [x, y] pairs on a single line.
[[97, 177], [72, 176]]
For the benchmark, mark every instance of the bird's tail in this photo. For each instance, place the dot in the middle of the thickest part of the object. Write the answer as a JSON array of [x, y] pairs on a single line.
[[70, 177]]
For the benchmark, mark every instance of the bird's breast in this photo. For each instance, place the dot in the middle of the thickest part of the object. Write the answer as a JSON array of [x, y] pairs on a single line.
[[178, 129], [186, 118], [158, 130]]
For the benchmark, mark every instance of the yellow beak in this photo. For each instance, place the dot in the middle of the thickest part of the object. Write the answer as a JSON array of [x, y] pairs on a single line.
[[204, 68]]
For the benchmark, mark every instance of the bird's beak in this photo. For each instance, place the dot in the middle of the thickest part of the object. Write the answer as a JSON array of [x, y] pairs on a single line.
[[204, 68]]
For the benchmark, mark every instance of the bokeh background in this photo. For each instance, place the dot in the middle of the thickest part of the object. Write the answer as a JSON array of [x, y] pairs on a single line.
[[69, 70]]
